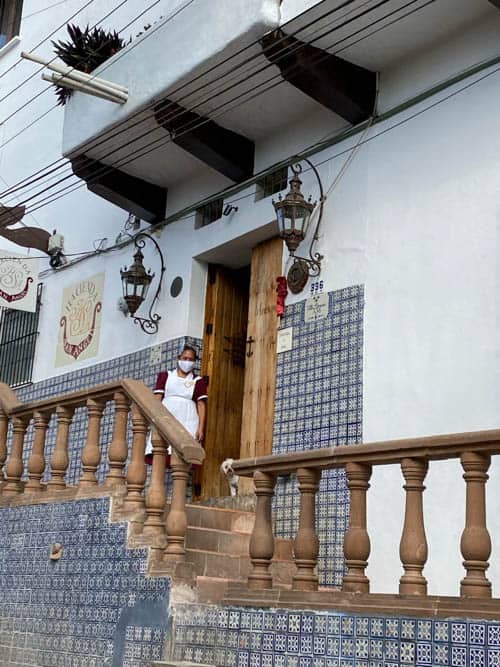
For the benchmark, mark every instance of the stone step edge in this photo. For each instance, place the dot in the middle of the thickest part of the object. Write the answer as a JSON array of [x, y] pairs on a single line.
[[228, 555], [225, 510]]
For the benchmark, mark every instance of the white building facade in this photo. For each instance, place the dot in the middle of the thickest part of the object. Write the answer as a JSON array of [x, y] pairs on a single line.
[[408, 341]]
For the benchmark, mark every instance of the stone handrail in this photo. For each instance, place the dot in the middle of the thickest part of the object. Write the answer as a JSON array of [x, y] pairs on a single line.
[[413, 455], [127, 469]]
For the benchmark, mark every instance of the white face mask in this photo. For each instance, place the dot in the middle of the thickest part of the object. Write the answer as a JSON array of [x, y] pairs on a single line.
[[185, 366]]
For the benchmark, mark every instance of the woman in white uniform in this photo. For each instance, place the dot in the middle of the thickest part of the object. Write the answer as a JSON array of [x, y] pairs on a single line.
[[184, 394]]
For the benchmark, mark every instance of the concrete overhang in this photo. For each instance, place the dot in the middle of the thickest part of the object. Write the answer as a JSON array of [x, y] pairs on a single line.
[[189, 62]]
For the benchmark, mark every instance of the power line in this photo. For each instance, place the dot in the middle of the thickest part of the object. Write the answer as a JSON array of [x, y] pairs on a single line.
[[307, 151], [183, 131], [14, 90], [153, 145], [46, 38], [212, 68]]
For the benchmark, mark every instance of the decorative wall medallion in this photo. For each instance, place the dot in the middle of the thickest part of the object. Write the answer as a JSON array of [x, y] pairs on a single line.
[[176, 287], [18, 281], [298, 275], [80, 321]]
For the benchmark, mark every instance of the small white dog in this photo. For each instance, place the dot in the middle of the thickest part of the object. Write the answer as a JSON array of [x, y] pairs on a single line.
[[232, 477]]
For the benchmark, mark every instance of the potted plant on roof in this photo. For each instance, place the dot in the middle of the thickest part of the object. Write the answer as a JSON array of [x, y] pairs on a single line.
[[85, 51]]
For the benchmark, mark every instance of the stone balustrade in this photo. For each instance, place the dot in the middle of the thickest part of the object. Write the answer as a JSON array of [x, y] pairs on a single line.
[[414, 457], [34, 475]]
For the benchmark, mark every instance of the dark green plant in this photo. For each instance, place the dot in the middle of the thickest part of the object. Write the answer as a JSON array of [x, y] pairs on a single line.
[[86, 50]]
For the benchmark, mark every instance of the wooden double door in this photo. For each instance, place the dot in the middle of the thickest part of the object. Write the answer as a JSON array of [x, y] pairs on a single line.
[[239, 357]]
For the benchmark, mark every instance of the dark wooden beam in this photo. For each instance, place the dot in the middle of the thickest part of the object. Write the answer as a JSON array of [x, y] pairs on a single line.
[[226, 151], [145, 200], [347, 89]]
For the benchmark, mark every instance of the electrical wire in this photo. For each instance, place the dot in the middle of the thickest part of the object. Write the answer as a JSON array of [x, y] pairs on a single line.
[[162, 141], [106, 168], [297, 158], [46, 38], [35, 97], [44, 90], [212, 68]]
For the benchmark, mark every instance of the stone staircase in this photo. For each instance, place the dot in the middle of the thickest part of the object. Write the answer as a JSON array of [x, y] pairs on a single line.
[[217, 558]]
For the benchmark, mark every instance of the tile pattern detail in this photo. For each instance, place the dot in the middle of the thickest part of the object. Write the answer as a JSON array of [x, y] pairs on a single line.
[[93, 607], [231, 637], [319, 403]]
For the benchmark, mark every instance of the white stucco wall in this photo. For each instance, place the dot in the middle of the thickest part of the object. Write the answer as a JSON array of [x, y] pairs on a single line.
[[416, 220]]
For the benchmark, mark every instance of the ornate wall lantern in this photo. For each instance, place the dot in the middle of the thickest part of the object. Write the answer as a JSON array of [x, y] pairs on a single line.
[[135, 283], [294, 214]]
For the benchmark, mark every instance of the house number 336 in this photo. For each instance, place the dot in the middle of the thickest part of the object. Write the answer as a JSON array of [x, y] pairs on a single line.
[[317, 287]]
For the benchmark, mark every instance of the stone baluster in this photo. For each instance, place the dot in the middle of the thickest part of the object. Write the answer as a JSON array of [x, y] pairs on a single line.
[[475, 543], [4, 427], [137, 472], [176, 523], [306, 544], [262, 539], [413, 545], [91, 454], [357, 540], [15, 468], [118, 449], [36, 464], [156, 496], [60, 459]]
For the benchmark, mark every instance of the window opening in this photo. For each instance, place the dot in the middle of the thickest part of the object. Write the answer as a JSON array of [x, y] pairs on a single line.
[[272, 183], [208, 213], [10, 19], [18, 335]]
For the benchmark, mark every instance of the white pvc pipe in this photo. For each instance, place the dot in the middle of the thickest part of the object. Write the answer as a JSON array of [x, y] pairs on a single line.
[[71, 71], [102, 87], [76, 85]]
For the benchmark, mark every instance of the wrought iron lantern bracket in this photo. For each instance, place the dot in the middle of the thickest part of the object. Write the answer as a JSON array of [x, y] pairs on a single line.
[[302, 268], [149, 324]]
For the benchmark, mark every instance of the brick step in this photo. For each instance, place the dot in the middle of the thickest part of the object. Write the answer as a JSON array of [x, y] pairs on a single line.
[[220, 518], [202, 563], [211, 590], [231, 542]]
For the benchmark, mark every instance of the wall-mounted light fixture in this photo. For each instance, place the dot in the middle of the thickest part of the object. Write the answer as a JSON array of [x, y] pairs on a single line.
[[294, 214], [135, 283], [229, 208]]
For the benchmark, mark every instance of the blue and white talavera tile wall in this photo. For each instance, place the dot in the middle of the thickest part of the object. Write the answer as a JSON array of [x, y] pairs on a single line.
[[319, 403], [233, 637], [138, 365], [93, 607]]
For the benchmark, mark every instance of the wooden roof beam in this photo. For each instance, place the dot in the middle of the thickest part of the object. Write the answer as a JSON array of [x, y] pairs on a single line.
[[145, 200], [346, 89], [228, 152]]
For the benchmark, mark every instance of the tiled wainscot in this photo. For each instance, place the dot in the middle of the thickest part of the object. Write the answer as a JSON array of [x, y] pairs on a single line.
[[93, 607], [231, 637], [319, 403]]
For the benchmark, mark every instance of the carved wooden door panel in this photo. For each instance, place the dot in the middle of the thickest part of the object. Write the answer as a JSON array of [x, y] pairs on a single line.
[[226, 313]]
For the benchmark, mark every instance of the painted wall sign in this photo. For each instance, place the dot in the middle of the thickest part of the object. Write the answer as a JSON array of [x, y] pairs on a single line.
[[18, 281], [316, 308], [285, 340], [80, 321]]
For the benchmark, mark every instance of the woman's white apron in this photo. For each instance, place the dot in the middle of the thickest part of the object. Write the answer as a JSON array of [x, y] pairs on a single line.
[[178, 399]]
